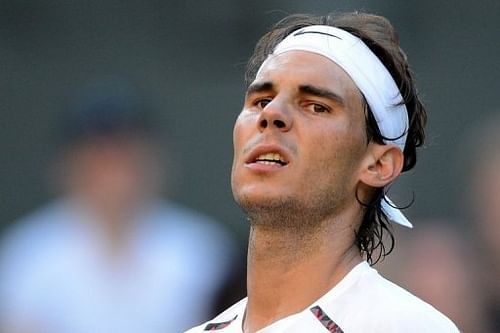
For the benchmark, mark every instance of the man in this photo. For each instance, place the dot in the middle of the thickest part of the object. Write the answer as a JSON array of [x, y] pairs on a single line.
[[482, 206], [109, 254], [324, 129]]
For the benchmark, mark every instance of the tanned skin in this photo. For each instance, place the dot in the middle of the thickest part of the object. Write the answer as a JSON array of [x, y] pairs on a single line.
[[307, 112]]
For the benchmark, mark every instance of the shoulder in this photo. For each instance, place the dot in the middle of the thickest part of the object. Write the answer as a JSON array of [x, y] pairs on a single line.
[[387, 307], [403, 310], [36, 229], [230, 318], [32, 249]]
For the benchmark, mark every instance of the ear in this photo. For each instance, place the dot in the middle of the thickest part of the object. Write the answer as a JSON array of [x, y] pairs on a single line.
[[382, 164]]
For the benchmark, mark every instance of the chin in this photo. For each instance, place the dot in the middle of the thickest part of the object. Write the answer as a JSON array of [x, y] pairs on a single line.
[[255, 202], [259, 194]]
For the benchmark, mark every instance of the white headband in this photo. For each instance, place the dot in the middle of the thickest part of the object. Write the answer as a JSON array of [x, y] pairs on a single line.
[[370, 76]]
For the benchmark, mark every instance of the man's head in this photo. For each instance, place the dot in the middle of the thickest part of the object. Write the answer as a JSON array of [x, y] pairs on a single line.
[[109, 159], [307, 111]]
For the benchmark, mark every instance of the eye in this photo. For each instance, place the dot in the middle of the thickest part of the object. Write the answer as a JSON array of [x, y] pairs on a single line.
[[318, 108], [261, 103]]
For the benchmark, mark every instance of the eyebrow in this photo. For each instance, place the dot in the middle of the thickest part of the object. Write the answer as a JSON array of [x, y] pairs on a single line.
[[260, 87], [308, 89], [321, 92]]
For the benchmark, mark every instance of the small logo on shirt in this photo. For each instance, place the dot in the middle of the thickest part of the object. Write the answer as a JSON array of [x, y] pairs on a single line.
[[325, 320], [218, 326]]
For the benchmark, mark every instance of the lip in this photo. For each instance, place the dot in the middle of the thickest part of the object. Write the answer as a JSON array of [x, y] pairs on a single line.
[[250, 161]]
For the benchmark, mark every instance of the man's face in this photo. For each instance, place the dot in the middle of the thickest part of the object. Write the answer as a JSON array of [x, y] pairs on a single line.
[[111, 173], [300, 137]]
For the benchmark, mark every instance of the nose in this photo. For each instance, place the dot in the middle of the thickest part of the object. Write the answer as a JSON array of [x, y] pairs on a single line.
[[275, 115]]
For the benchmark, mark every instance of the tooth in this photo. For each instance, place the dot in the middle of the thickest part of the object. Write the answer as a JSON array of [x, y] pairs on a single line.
[[270, 157]]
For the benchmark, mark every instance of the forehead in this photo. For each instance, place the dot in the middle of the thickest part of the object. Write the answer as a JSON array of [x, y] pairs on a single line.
[[303, 67]]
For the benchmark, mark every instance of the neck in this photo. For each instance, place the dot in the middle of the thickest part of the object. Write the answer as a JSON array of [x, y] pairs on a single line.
[[283, 261]]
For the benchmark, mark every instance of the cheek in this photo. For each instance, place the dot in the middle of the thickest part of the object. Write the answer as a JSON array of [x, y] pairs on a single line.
[[238, 132], [240, 137], [338, 136], [242, 131], [338, 149]]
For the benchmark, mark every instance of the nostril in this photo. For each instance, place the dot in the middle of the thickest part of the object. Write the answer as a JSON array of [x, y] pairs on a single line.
[[279, 123], [263, 123]]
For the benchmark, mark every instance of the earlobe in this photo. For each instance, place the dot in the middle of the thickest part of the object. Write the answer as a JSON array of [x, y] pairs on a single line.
[[382, 165]]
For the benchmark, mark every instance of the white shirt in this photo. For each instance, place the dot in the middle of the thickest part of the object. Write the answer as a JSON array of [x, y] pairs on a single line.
[[362, 302], [54, 273]]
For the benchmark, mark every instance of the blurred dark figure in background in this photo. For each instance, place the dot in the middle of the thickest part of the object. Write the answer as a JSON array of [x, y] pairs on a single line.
[[483, 202], [439, 265], [109, 255], [460, 275]]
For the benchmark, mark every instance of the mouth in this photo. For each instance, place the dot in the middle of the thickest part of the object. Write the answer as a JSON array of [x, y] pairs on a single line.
[[270, 159], [267, 158]]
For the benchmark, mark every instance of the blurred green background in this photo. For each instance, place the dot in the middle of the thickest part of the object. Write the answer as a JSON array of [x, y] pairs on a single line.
[[187, 58]]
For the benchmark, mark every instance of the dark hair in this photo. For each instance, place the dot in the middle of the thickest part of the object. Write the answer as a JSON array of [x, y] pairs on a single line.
[[379, 35], [106, 108]]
